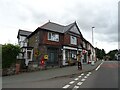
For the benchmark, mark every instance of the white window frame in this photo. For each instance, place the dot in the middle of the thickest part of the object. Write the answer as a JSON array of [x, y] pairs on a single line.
[[22, 38], [54, 36], [73, 40]]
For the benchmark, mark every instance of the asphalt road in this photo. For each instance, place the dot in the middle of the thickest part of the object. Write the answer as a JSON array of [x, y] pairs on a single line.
[[104, 76]]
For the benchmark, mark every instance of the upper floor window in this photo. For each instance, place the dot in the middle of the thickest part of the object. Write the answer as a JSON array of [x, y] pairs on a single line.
[[73, 40], [22, 38], [53, 36]]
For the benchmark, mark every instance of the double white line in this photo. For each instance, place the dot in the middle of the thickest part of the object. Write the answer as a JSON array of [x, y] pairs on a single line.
[[80, 83], [68, 85]]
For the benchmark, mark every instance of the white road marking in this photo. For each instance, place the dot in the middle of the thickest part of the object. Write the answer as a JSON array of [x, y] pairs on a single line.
[[82, 74], [76, 78], [88, 74], [98, 66], [71, 82], [83, 79], [66, 86], [79, 76], [76, 86], [80, 83]]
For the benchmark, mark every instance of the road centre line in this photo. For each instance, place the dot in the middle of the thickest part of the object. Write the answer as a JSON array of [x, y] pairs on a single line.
[[66, 86], [71, 82], [88, 75], [82, 74], [76, 78], [98, 66], [83, 79], [75, 87], [79, 83]]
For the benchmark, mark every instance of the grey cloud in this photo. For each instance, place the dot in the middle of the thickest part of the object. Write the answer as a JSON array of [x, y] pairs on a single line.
[[13, 13], [102, 14], [103, 20], [107, 37]]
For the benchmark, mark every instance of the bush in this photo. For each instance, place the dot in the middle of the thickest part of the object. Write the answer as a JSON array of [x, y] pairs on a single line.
[[9, 53]]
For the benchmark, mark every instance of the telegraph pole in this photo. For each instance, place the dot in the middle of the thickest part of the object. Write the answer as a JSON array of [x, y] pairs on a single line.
[[92, 48]]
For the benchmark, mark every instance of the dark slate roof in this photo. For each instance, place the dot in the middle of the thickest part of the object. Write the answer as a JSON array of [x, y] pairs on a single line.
[[56, 27], [68, 27], [51, 26], [23, 33]]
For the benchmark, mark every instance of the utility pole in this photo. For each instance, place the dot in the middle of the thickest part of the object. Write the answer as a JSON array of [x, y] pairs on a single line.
[[93, 47], [92, 36]]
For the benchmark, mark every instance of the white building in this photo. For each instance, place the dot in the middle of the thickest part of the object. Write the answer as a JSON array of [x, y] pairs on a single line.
[[26, 52]]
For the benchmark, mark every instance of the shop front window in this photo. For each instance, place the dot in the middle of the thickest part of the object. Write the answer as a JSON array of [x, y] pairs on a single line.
[[73, 54]]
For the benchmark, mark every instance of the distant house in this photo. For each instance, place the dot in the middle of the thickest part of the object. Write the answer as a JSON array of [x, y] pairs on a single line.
[[61, 43], [26, 52], [22, 35], [117, 55], [89, 53], [107, 57]]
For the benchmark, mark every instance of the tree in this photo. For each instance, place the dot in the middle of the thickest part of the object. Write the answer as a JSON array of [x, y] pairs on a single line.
[[112, 54], [100, 53], [103, 53], [9, 53]]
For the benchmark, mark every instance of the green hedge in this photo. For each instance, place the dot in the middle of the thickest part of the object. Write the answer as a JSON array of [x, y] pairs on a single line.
[[9, 53]]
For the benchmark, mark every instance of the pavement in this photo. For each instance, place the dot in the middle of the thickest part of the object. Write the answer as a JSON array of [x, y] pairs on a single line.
[[49, 73]]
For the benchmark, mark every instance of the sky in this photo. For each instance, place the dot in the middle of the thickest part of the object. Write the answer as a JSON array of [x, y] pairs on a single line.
[[30, 14]]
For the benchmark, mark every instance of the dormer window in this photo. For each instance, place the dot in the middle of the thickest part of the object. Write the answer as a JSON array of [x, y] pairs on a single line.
[[73, 40], [53, 36]]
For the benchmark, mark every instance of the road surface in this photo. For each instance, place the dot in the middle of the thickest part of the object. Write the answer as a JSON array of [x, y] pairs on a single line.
[[104, 76]]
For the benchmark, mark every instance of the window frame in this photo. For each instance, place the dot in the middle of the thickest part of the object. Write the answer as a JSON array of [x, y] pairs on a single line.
[[73, 41], [53, 36]]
